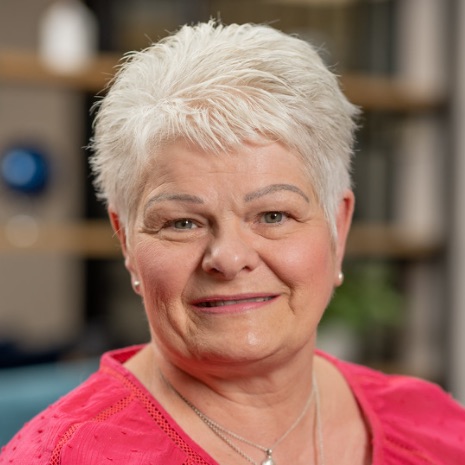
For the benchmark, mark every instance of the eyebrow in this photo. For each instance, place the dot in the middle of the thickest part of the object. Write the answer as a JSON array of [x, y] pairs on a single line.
[[170, 197], [275, 188]]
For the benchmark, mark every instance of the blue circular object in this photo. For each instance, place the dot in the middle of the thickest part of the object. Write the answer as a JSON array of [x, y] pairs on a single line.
[[25, 170]]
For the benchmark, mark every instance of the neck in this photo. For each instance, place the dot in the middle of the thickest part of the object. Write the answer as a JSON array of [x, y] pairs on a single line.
[[261, 405], [232, 438]]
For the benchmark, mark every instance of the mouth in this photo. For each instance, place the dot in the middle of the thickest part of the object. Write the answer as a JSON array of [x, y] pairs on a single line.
[[223, 303], [233, 304]]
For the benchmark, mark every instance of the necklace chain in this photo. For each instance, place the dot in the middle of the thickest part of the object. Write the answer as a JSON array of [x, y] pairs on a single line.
[[223, 433]]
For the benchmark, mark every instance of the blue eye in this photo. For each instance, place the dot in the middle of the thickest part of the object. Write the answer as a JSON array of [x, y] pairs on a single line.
[[273, 217], [184, 223]]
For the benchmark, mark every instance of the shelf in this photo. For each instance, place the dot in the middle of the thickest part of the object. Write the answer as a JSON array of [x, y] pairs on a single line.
[[387, 241], [95, 239], [388, 94], [22, 67], [310, 3], [369, 92], [89, 239]]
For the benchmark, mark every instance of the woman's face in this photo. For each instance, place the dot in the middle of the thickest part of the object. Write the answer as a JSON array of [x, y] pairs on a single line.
[[233, 253]]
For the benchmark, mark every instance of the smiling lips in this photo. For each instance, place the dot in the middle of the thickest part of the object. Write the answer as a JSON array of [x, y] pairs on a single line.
[[231, 305]]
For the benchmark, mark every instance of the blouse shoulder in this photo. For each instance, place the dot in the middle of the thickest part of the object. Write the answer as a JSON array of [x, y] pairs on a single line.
[[101, 421], [412, 421]]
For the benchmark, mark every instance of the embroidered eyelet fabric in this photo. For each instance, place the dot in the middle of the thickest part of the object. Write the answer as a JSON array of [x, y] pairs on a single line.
[[112, 419]]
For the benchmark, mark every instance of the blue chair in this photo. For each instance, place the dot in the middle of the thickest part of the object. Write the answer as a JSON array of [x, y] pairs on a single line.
[[26, 391]]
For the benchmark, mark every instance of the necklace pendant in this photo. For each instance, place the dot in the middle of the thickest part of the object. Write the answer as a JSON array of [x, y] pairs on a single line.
[[269, 460]]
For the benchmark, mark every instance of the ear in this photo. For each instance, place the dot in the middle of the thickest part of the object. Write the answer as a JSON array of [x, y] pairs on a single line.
[[120, 231], [343, 222]]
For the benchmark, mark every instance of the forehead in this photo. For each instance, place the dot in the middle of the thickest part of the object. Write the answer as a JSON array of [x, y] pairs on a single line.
[[180, 159], [187, 175]]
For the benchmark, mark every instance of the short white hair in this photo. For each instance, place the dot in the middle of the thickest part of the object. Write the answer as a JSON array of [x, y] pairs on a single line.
[[219, 86]]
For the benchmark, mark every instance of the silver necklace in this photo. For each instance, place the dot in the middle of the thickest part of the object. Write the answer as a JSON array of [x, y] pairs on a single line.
[[223, 433]]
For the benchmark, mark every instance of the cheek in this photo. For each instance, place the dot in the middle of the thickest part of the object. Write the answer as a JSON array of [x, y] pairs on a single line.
[[163, 272], [307, 268], [308, 260], [163, 278]]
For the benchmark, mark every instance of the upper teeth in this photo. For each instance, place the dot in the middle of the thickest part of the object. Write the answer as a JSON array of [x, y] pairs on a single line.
[[221, 303]]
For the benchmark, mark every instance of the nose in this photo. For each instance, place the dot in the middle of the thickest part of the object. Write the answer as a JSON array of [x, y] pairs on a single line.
[[229, 252]]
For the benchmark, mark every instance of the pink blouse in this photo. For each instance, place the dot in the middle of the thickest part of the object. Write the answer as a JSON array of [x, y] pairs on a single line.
[[112, 419]]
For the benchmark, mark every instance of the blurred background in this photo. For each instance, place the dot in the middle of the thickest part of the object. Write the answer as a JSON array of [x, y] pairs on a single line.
[[65, 296]]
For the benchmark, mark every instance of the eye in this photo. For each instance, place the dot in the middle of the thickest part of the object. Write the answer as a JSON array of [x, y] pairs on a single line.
[[273, 217], [183, 223]]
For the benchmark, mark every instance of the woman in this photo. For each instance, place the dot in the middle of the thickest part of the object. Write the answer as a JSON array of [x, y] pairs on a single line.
[[223, 154]]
